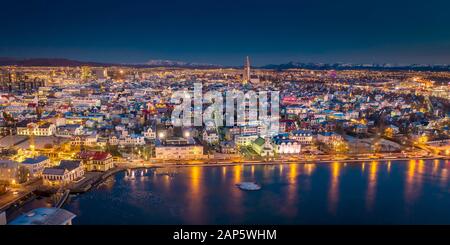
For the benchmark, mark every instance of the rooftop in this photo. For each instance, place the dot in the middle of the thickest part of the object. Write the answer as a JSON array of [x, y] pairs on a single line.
[[44, 216], [35, 160]]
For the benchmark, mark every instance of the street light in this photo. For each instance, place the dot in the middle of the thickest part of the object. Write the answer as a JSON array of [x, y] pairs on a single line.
[[161, 135], [187, 134]]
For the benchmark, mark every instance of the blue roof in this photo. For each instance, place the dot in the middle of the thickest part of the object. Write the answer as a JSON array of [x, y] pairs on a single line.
[[279, 141], [326, 133], [136, 136], [296, 132], [44, 216], [35, 160]]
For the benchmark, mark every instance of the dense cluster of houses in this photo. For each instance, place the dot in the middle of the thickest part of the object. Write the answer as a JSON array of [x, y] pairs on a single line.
[[100, 114]]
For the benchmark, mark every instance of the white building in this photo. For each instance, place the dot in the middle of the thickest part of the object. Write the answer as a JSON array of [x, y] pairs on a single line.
[[302, 136], [67, 172], [244, 140], [287, 146], [46, 129], [210, 137], [134, 139], [84, 140], [178, 149], [149, 133], [328, 137], [35, 166]]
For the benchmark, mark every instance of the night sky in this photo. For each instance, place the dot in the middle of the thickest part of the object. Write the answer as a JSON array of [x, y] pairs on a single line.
[[223, 32]]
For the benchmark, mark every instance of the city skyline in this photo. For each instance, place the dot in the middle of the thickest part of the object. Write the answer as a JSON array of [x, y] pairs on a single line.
[[244, 118], [215, 33]]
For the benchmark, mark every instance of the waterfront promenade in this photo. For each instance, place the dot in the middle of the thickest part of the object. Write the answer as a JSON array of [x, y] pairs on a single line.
[[92, 179]]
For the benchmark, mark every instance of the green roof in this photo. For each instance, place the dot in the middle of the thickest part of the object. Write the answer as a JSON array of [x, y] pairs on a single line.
[[259, 141]]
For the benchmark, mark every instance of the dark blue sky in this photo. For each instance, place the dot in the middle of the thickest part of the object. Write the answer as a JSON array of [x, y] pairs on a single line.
[[223, 32]]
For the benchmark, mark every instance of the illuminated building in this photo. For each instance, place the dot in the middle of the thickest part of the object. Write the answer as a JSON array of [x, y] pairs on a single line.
[[302, 136], [65, 173], [149, 133], [287, 146], [86, 72], [36, 165], [245, 140], [35, 129], [263, 147], [9, 171], [96, 160], [246, 75], [210, 137], [178, 149], [11, 81]]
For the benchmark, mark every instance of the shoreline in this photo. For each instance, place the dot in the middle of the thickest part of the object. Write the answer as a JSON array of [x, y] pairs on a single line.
[[99, 179], [275, 162]]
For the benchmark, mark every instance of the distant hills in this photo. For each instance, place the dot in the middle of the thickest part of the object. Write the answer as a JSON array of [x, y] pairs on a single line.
[[348, 66], [6, 61], [172, 63]]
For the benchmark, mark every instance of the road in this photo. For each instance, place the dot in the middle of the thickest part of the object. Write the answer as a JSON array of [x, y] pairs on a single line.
[[15, 194]]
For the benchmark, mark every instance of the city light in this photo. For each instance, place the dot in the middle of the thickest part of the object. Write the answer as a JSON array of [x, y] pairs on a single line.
[[244, 121]]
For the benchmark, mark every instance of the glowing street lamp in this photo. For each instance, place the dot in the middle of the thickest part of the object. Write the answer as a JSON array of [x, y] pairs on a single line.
[[423, 139], [161, 135]]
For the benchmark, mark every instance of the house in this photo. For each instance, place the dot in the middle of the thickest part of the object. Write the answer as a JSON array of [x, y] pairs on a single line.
[[360, 129], [96, 160], [227, 147], [249, 130], [113, 140], [245, 140], [284, 145], [231, 132], [84, 140], [328, 137], [263, 147], [69, 130], [133, 139], [9, 171], [287, 125], [305, 137], [67, 172], [25, 128], [45, 129], [36, 165], [211, 137], [149, 133], [178, 149]]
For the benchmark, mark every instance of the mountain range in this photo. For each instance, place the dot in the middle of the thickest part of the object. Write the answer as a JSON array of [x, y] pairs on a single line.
[[349, 66], [6, 61]]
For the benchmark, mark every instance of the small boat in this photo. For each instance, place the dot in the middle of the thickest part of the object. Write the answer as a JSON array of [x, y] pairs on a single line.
[[248, 186]]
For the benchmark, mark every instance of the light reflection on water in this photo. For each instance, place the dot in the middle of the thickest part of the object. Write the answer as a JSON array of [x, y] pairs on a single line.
[[394, 192], [372, 185]]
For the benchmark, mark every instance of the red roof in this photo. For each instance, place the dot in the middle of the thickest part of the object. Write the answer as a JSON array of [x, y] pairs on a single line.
[[94, 155]]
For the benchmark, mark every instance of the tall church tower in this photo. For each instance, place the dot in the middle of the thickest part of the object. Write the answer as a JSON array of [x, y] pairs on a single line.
[[246, 75]]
